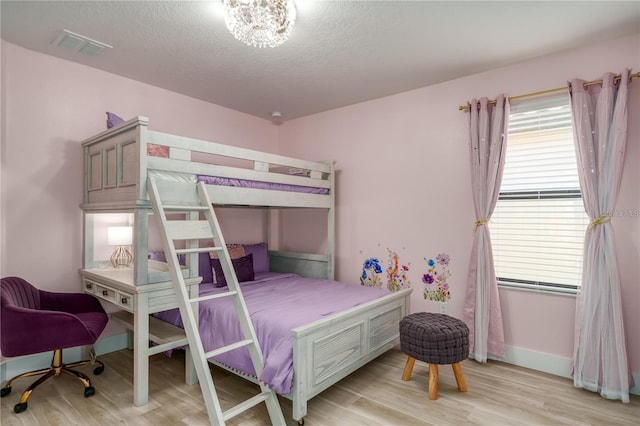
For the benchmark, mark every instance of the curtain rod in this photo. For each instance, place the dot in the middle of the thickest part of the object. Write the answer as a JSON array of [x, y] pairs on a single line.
[[559, 89]]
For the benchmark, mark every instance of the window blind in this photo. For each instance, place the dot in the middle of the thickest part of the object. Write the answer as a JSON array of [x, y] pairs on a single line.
[[538, 226]]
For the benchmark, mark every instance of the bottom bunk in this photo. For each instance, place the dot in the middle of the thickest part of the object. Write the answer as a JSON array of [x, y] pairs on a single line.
[[313, 332]]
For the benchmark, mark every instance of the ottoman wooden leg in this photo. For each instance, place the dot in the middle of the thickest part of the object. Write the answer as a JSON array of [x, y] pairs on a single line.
[[457, 371], [408, 368], [433, 381]]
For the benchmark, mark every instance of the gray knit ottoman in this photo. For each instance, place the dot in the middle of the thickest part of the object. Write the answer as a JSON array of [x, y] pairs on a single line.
[[434, 339]]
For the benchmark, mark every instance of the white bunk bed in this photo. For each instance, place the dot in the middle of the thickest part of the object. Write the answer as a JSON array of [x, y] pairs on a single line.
[[117, 166]]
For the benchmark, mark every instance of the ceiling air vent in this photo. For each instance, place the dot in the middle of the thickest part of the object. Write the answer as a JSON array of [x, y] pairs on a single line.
[[80, 43]]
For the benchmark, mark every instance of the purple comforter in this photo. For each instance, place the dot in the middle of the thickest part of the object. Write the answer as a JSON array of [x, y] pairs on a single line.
[[277, 303], [246, 183]]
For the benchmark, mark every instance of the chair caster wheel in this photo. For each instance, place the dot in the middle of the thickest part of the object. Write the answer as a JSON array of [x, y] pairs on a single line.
[[98, 370], [19, 408], [5, 391], [90, 391]]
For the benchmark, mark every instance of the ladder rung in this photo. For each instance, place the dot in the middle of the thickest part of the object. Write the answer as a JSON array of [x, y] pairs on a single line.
[[197, 208], [197, 250], [213, 296], [228, 348], [188, 230], [167, 346], [245, 405]]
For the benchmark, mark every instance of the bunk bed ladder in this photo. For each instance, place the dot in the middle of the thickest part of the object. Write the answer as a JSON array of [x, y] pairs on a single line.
[[192, 229]]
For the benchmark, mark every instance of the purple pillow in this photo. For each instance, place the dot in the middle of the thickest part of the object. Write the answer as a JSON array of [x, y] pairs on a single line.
[[243, 267], [204, 268], [113, 120], [260, 256]]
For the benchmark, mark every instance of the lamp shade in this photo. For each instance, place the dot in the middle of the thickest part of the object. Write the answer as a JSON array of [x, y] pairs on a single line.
[[120, 235]]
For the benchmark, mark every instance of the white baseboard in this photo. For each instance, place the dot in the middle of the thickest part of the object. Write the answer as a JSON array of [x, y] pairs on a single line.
[[11, 367], [527, 358], [552, 364]]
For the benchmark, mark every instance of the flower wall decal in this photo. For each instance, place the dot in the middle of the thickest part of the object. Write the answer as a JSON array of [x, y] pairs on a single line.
[[397, 273], [371, 271], [435, 279]]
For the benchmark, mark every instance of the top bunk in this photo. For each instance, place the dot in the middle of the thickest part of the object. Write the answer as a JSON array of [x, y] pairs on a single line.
[[119, 161]]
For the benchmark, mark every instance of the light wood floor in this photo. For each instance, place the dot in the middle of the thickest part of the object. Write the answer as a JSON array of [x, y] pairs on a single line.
[[498, 394]]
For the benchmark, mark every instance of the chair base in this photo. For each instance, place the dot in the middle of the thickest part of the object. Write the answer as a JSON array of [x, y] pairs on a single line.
[[433, 376], [56, 368]]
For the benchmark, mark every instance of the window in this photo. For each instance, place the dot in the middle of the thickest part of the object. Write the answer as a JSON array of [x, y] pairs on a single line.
[[537, 229]]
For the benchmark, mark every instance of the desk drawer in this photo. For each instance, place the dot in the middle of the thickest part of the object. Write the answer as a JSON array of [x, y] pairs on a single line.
[[109, 294], [105, 293], [126, 301], [89, 286]]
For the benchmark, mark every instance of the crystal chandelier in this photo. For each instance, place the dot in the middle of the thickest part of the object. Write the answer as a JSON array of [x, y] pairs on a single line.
[[260, 23]]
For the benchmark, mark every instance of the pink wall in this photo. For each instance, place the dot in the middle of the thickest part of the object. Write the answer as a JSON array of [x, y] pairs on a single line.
[[49, 107], [403, 179], [404, 183]]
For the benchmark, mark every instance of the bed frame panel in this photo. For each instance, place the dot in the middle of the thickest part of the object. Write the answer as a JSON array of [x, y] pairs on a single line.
[[306, 265], [328, 350]]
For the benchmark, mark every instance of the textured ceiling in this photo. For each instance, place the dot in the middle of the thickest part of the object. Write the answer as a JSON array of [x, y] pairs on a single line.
[[340, 52]]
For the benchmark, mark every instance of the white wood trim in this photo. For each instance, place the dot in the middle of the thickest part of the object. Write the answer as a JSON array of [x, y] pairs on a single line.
[[540, 361], [305, 264], [548, 363], [11, 367], [208, 147]]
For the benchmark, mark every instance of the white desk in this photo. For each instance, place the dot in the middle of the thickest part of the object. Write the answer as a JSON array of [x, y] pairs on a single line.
[[138, 303]]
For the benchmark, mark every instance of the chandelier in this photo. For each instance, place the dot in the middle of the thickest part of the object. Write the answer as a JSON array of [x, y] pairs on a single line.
[[260, 23]]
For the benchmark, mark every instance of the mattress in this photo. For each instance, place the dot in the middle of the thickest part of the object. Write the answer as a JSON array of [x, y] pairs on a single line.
[[246, 183], [277, 303], [240, 183]]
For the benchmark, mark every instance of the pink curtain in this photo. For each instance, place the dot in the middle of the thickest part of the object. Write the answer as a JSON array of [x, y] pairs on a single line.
[[488, 143], [600, 130]]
